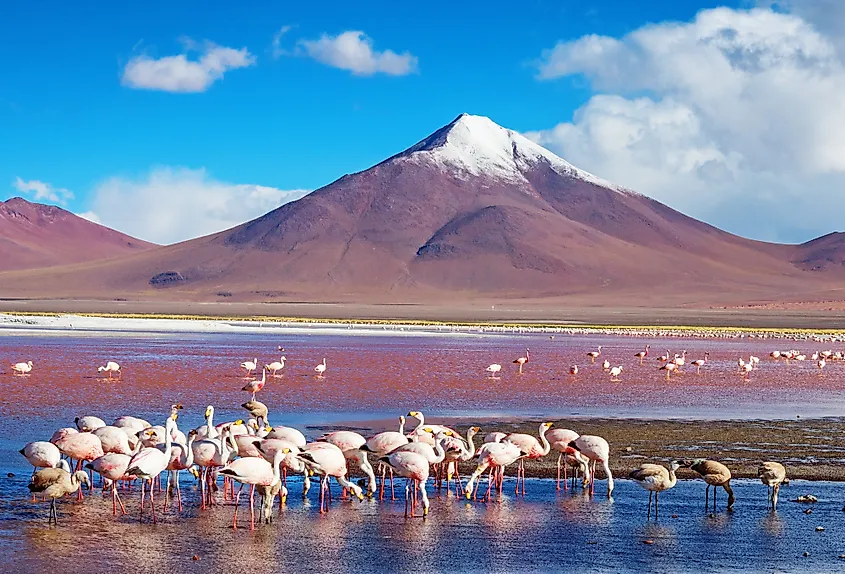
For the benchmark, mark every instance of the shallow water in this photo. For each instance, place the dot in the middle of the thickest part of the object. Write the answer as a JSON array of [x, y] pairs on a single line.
[[545, 531], [377, 377]]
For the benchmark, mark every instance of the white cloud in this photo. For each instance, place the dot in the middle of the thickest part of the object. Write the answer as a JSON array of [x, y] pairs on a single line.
[[179, 74], [278, 51], [173, 204], [43, 191], [736, 118], [353, 51], [90, 216]]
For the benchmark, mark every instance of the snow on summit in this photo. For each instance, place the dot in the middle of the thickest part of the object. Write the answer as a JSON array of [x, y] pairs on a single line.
[[480, 146]]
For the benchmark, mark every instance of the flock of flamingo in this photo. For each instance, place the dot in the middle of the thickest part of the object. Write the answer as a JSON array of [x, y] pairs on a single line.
[[252, 452]]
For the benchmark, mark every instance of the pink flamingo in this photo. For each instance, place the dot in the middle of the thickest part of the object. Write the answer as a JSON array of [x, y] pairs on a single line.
[[495, 456], [112, 466], [522, 360], [596, 449], [329, 462], [80, 447], [415, 468], [700, 363], [255, 472], [642, 354], [573, 370], [559, 440], [383, 443], [150, 462], [532, 448], [255, 386], [350, 444], [594, 354], [113, 439]]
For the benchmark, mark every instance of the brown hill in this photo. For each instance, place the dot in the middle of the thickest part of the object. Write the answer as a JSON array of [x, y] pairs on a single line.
[[34, 235], [474, 211]]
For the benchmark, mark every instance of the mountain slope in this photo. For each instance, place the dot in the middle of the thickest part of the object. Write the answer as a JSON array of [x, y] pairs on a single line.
[[34, 235], [472, 211]]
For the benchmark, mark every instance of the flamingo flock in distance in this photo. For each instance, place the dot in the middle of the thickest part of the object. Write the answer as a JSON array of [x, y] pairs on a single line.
[[260, 456]]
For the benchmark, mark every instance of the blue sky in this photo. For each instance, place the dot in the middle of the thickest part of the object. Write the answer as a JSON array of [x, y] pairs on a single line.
[[83, 114]]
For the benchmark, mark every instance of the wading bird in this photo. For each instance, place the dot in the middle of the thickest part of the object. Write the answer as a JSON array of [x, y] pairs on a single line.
[[110, 367], [55, 483], [655, 479], [22, 368], [772, 474], [642, 354], [276, 366], [700, 363], [594, 354], [573, 370], [597, 450], [256, 385], [715, 474], [321, 368], [249, 366], [493, 370], [522, 360], [614, 374]]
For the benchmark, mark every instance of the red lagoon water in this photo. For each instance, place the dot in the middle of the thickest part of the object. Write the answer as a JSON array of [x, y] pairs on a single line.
[[378, 376]]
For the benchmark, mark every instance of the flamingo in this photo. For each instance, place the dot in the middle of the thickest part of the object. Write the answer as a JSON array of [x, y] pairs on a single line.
[[614, 374], [113, 439], [383, 443], [715, 474], [573, 370], [22, 368], [775, 355], [41, 454], [772, 474], [596, 449], [497, 456], [181, 458], [740, 363], [456, 451], [289, 434], [594, 354], [642, 354], [55, 483], [669, 368], [522, 360], [532, 448], [321, 368], [680, 360], [495, 436], [700, 363], [664, 358], [255, 386], [83, 446], [753, 360], [329, 462], [559, 440], [605, 365], [493, 370], [112, 467], [415, 468], [249, 366], [255, 472], [276, 366], [350, 444], [747, 368], [110, 367], [89, 423], [821, 365], [208, 430], [150, 462], [655, 479]]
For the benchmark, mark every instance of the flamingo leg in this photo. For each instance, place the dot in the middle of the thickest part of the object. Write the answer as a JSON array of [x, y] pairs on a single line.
[[152, 503], [648, 514], [120, 502], [392, 494], [178, 491], [558, 470], [235, 517], [656, 504], [166, 492], [251, 507], [202, 488], [141, 517]]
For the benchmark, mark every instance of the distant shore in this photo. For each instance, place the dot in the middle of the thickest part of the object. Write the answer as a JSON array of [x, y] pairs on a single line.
[[512, 315]]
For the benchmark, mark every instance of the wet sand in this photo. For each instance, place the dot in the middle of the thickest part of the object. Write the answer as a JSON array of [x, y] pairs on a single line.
[[810, 449]]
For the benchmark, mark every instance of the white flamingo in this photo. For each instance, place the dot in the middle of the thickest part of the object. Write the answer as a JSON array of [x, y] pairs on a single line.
[[594, 354], [276, 366], [321, 368], [614, 374], [110, 367], [493, 369], [249, 366], [522, 360], [22, 368]]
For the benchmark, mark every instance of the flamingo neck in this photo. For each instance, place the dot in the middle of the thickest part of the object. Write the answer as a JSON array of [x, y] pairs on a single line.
[[673, 479], [209, 424], [471, 443], [420, 417], [543, 441], [439, 453], [277, 465], [402, 426], [168, 443], [224, 447]]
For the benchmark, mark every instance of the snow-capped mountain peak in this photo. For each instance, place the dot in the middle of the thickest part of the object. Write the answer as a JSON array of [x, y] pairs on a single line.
[[479, 146]]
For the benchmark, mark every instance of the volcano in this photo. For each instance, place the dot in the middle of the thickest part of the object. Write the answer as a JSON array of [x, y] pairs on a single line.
[[472, 211]]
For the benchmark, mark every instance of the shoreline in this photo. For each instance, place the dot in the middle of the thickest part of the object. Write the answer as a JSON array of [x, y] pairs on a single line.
[[163, 323], [807, 447]]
